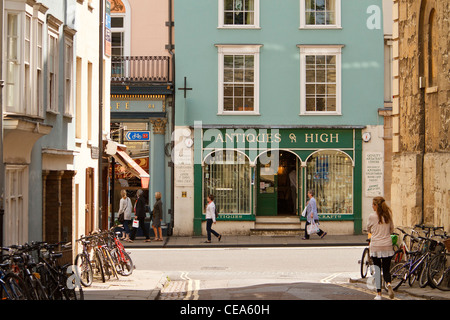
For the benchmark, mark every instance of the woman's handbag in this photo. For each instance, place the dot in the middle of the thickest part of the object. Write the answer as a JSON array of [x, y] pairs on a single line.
[[121, 218], [135, 223], [312, 228]]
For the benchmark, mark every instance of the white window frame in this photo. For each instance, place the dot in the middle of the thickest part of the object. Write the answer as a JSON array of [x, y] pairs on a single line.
[[28, 64], [126, 33], [238, 49], [68, 72], [39, 66], [53, 25], [28, 87], [16, 204], [303, 24], [320, 50], [255, 25], [16, 103]]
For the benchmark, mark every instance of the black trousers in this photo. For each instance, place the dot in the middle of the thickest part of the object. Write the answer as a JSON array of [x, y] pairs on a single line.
[[142, 227], [385, 265], [209, 230], [320, 233]]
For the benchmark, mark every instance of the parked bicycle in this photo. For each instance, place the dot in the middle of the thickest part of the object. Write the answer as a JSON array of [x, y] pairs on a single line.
[[412, 269], [439, 268]]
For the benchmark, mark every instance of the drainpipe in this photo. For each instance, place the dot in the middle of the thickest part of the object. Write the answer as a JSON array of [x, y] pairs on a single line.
[[170, 48], [100, 113]]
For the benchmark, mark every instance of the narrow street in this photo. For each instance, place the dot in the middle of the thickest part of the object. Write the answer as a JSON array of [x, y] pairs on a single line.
[[320, 273]]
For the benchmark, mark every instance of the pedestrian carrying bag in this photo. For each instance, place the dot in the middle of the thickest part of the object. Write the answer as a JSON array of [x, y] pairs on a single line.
[[304, 212], [135, 223], [312, 228]]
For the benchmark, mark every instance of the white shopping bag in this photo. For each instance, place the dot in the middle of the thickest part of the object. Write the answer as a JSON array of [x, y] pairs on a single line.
[[312, 228], [135, 223], [304, 212]]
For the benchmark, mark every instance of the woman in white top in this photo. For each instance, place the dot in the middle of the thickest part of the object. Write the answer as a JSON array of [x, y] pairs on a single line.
[[126, 207], [211, 218], [380, 226]]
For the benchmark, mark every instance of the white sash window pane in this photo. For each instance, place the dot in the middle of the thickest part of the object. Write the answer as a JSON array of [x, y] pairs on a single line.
[[13, 64]]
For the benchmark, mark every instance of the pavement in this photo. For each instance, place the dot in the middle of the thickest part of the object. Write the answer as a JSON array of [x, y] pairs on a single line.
[[147, 284]]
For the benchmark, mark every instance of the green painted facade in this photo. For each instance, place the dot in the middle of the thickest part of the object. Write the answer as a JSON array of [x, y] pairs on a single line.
[[279, 124]]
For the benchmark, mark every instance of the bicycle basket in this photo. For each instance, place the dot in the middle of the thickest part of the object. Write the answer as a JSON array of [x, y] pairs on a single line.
[[394, 239]]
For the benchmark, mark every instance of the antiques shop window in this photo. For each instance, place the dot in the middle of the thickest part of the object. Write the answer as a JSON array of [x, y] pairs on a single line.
[[330, 175], [227, 175]]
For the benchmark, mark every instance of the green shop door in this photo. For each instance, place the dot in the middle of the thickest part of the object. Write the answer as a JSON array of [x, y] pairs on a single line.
[[277, 187], [267, 190]]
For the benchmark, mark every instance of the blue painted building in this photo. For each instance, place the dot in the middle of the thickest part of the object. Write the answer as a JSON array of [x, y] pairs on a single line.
[[276, 98], [51, 119]]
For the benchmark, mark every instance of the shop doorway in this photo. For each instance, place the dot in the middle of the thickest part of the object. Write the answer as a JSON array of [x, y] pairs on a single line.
[[277, 186]]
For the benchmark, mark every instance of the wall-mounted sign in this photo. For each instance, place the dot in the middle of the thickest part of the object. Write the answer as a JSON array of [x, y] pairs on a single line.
[[108, 35], [138, 135], [374, 162], [139, 103]]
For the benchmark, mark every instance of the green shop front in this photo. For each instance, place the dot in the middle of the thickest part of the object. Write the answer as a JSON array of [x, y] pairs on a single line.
[[266, 172]]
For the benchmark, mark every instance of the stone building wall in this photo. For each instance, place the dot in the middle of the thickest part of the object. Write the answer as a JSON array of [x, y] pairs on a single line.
[[420, 191]]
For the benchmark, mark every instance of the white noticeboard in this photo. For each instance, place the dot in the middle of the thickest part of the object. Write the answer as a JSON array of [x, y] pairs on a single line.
[[374, 174]]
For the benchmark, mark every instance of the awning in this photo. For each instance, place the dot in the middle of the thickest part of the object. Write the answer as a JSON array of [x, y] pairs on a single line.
[[126, 161]]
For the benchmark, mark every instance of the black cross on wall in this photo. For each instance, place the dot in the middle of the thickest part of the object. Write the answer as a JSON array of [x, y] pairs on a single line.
[[185, 88]]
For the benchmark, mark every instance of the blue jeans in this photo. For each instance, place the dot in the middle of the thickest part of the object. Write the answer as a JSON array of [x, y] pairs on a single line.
[[209, 230], [126, 226]]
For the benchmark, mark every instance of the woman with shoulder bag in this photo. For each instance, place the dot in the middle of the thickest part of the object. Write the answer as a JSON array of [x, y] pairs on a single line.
[[125, 211]]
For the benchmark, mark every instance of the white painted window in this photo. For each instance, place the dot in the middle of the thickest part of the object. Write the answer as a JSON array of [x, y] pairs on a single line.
[[68, 77], [13, 63], [320, 14], [52, 67], [121, 41], [238, 79], [39, 69], [239, 14], [23, 57], [27, 66], [16, 220], [320, 80]]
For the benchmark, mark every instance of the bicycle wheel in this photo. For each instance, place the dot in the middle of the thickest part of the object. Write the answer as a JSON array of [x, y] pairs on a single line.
[[36, 289], [15, 288], [70, 289], [99, 264], [110, 263], [365, 263], [85, 270], [413, 276], [398, 275], [124, 265], [423, 275], [436, 269]]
